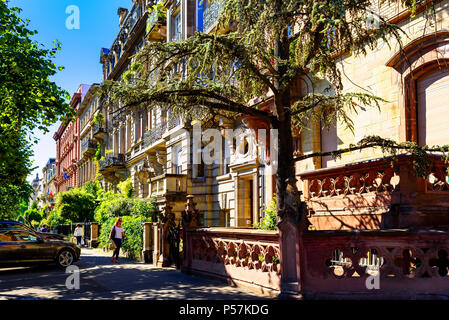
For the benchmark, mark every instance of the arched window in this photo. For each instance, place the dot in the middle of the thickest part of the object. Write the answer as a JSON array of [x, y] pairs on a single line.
[[433, 108], [423, 69]]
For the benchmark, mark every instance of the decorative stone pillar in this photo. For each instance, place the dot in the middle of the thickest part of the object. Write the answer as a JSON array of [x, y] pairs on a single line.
[[156, 243], [190, 219], [142, 176], [153, 163], [291, 226], [191, 215], [167, 222], [93, 242], [147, 252]]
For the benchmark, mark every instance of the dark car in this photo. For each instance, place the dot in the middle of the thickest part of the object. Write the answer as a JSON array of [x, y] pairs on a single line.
[[9, 224], [19, 246]]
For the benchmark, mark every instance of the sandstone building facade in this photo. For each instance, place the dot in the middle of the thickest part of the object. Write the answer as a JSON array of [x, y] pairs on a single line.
[[358, 191]]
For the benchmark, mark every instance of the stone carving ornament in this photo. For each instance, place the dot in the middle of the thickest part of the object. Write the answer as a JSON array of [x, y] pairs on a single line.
[[191, 215]]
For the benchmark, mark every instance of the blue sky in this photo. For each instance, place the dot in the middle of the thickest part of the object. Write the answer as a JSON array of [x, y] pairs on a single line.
[[80, 54]]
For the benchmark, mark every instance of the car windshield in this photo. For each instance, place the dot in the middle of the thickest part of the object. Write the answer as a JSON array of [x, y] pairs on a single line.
[[13, 225]]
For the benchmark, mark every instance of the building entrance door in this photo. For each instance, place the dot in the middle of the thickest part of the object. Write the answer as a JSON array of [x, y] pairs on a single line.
[[247, 207]]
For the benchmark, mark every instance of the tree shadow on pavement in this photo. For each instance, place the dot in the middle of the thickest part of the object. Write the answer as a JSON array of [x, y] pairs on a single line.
[[102, 279]]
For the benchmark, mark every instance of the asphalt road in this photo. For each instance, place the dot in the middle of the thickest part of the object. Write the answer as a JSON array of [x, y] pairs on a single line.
[[102, 279]]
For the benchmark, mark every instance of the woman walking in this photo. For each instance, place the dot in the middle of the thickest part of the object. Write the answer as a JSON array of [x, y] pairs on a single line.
[[116, 235], [78, 233]]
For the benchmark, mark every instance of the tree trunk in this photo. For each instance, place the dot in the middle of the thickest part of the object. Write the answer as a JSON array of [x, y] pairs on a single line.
[[289, 204], [285, 168], [291, 213]]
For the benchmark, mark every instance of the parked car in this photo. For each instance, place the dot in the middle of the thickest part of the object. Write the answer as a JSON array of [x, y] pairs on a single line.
[[9, 224], [20, 246]]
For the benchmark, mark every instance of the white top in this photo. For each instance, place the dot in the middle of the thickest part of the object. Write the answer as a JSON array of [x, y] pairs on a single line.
[[78, 232], [118, 232]]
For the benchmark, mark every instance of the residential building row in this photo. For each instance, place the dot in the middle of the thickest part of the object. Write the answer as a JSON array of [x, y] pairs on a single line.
[[153, 148], [44, 188]]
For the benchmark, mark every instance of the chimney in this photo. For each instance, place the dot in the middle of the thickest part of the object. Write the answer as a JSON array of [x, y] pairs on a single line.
[[122, 12]]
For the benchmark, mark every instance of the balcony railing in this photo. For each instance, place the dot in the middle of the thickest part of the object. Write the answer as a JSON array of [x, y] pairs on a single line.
[[88, 147], [126, 30], [132, 18], [112, 162], [370, 176], [168, 184], [377, 194], [366, 177], [98, 130], [211, 15], [153, 135], [174, 122]]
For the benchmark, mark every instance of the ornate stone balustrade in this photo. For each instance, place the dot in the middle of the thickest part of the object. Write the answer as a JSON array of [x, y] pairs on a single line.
[[248, 257], [377, 194], [371, 176], [408, 263]]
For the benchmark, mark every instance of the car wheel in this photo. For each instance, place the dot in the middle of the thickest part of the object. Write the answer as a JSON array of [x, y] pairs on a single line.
[[65, 258]]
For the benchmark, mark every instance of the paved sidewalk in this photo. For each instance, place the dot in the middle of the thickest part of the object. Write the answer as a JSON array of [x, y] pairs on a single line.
[[102, 279]]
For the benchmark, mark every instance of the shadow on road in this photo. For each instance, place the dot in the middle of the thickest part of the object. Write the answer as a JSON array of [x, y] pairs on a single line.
[[102, 279]]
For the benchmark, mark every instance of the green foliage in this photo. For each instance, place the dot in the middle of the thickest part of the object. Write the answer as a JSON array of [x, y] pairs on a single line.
[[28, 97], [99, 118], [92, 188], [32, 216], [15, 165], [106, 227], [28, 100], [76, 205], [113, 206], [54, 219], [392, 149], [259, 62], [144, 207], [35, 224], [126, 188], [268, 221], [44, 211], [127, 76], [34, 205], [133, 227], [118, 205]]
